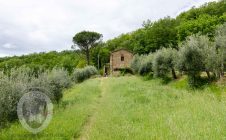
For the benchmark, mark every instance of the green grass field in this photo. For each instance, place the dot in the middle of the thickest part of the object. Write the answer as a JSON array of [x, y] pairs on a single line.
[[130, 108]]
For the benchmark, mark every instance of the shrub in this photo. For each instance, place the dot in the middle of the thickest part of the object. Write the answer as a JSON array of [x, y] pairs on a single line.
[[90, 71], [10, 93], [58, 80], [9, 97], [164, 62], [22, 80], [22, 74], [79, 75], [135, 63], [42, 83], [125, 71], [141, 64], [60, 77], [159, 67], [146, 64]]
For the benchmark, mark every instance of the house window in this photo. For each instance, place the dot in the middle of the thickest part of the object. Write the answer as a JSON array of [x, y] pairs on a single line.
[[122, 58]]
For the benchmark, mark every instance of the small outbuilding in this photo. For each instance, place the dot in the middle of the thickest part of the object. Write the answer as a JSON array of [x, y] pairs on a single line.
[[120, 59]]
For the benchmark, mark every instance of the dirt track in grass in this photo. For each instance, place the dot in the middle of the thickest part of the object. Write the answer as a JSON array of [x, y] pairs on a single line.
[[91, 120]]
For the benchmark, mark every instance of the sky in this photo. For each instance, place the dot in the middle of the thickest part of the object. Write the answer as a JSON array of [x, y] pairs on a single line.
[[28, 26]]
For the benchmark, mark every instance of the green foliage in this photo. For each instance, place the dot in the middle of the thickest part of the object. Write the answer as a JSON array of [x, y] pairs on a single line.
[[10, 93], [79, 75], [164, 62], [142, 64], [169, 31], [212, 59], [81, 64], [68, 64], [191, 59], [211, 8], [204, 24], [58, 80], [42, 61], [149, 38], [23, 80], [203, 19], [83, 97], [123, 41], [145, 65], [125, 71], [90, 71], [102, 54], [220, 40], [138, 103], [135, 63], [161, 34], [199, 31], [86, 40]]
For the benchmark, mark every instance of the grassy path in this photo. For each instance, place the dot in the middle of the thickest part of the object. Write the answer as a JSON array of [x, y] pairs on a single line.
[[134, 109], [128, 108], [89, 124]]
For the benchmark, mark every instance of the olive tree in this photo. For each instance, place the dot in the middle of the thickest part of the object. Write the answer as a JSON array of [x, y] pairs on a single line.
[[164, 62], [135, 63], [211, 57], [142, 64], [220, 40], [191, 59], [145, 64]]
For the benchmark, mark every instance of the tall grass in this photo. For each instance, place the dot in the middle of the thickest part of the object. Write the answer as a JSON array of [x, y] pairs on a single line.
[[68, 119], [134, 109], [130, 108]]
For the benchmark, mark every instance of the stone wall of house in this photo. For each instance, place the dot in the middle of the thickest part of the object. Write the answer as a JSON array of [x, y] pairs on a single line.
[[117, 62]]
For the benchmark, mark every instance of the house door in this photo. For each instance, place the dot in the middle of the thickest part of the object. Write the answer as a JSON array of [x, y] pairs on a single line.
[[106, 71]]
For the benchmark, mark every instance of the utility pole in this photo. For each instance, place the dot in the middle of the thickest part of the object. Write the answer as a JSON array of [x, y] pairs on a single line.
[[98, 61]]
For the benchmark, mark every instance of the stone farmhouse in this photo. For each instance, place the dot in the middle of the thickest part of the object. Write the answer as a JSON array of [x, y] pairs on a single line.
[[119, 59]]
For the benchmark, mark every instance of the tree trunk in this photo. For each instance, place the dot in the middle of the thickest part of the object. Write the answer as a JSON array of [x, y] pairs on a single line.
[[215, 75], [87, 56], [181, 73], [222, 70], [208, 74], [174, 74], [222, 66]]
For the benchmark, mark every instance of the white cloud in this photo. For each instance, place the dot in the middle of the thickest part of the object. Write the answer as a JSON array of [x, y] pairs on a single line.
[[8, 46], [34, 26]]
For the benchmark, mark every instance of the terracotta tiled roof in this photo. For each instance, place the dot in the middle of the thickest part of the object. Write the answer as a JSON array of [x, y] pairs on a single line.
[[122, 49]]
